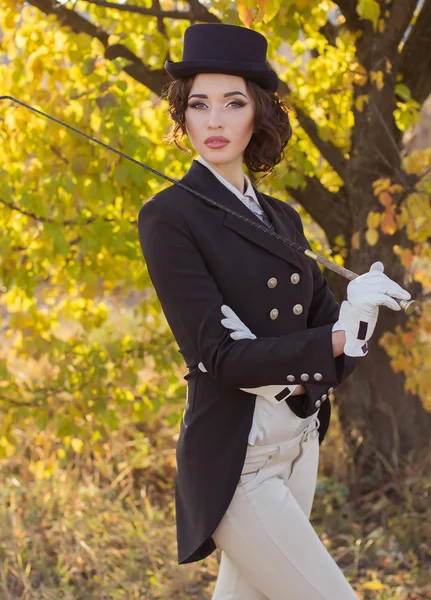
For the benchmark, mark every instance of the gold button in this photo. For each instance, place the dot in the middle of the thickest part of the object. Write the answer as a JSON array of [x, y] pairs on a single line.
[[330, 390], [270, 456], [305, 377], [318, 376], [297, 309], [291, 378], [295, 277], [272, 282], [273, 314], [317, 404], [324, 397]]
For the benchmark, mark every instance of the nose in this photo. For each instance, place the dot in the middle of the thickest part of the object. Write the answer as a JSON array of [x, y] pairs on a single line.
[[214, 121]]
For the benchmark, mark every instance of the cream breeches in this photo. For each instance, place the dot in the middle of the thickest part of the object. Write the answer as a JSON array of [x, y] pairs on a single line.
[[270, 551]]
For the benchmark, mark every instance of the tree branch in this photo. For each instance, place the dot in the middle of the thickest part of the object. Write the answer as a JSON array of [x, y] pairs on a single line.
[[328, 150], [330, 31], [329, 210], [154, 80], [348, 10], [31, 215], [401, 13], [417, 51], [161, 28], [197, 12]]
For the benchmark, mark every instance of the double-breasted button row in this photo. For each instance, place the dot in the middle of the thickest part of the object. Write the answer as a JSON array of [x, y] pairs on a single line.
[[297, 309], [272, 281]]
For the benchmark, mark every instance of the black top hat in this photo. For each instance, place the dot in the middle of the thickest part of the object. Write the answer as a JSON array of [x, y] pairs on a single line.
[[223, 48]]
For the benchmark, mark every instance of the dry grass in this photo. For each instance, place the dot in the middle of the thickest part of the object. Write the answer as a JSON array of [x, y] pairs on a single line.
[[102, 526]]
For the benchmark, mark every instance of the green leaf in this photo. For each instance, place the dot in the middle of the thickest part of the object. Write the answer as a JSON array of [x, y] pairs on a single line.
[[369, 9], [57, 235], [402, 91], [271, 9]]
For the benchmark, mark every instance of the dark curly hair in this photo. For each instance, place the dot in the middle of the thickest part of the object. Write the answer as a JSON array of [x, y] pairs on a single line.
[[272, 129]]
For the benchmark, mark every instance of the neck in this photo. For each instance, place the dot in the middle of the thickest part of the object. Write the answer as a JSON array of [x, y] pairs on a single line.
[[232, 172]]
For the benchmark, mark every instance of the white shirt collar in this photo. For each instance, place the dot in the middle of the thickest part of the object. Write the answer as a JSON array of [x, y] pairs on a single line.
[[249, 189]]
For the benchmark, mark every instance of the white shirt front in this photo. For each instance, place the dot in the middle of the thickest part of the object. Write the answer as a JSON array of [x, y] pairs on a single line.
[[248, 198], [268, 418]]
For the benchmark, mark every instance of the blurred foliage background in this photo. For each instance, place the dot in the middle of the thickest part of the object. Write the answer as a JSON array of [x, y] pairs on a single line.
[[91, 378]]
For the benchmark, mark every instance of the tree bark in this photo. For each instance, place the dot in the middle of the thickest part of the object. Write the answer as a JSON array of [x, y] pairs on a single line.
[[417, 51], [379, 419], [373, 404], [381, 422]]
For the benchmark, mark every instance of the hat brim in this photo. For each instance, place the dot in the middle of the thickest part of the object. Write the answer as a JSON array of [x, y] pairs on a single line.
[[261, 74]]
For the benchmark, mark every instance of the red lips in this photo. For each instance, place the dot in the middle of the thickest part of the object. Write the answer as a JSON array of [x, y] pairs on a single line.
[[216, 138]]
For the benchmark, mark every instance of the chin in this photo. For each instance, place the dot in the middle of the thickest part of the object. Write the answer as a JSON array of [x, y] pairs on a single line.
[[218, 156]]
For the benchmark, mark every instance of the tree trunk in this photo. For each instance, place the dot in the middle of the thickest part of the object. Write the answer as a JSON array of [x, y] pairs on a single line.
[[374, 405], [380, 420]]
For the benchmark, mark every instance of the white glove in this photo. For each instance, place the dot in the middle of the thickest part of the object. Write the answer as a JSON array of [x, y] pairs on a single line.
[[358, 315], [359, 322], [377, 288], [241, 332], [240, 329]]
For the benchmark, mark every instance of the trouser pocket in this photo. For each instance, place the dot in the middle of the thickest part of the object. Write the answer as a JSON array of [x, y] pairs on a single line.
[[252, 467]]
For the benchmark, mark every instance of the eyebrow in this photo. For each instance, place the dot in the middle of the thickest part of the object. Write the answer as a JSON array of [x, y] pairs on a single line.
[[224, 95]]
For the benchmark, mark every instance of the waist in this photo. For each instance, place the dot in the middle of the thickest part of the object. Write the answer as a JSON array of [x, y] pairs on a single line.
[[310, 430]]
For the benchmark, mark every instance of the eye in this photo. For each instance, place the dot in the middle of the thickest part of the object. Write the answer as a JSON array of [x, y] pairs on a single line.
[[238, 102], [195, 104]]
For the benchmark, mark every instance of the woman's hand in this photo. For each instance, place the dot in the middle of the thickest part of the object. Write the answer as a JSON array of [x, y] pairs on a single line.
[[299, 389], [232, 321], [359, 313], [376, 289], [358, 322]]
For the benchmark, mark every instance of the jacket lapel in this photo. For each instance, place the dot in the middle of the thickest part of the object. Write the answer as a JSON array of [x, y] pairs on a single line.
[[202, 180]]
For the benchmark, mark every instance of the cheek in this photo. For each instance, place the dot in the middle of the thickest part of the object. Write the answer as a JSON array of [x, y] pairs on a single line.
[[245, 126], [191, 124]]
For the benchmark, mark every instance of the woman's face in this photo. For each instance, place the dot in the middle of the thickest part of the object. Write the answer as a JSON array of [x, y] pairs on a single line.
[[214, 110]]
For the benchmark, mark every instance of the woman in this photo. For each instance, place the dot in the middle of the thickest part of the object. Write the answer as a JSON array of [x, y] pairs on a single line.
[[250, 316]]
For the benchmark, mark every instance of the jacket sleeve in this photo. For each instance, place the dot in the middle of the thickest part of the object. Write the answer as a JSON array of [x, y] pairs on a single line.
[[272, 393], [325, 309], [191, 302]]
